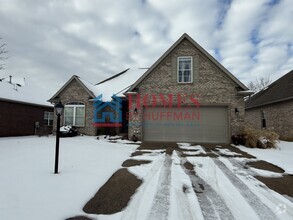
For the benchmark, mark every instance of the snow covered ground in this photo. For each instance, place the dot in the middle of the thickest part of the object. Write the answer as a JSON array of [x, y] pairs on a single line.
[[28, 188], [216, 188], [282, 156]]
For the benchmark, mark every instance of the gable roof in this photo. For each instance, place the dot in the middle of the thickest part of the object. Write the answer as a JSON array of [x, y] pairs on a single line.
[[114, 85], [88, 87], [20, 92], [278, 91], [196, 45]]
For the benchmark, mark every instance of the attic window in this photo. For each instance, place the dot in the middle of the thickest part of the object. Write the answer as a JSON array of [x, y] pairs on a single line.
[[74, 114], [184, 70]]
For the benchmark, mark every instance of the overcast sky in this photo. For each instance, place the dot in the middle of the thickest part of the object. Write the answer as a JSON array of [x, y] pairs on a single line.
[[49, 41]]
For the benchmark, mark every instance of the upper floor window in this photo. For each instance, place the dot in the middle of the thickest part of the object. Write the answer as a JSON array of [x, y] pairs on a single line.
[[48, 118], [74, 114], [184, 72]]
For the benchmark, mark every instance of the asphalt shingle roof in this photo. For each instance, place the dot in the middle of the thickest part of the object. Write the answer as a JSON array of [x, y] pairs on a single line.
[[280, 90]]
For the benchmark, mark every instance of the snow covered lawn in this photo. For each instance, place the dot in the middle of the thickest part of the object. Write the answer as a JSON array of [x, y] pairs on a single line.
[[28, 188], [281, 156], [177, 184]]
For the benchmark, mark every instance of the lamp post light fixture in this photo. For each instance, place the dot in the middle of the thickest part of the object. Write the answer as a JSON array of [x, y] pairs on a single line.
[[59, 111]]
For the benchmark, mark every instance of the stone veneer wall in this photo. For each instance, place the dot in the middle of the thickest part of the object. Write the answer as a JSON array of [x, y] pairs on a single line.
[[74, 92], [279, 118], [210, 84]]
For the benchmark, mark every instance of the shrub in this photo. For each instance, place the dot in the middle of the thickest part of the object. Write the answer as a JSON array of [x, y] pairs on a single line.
[[238, 139], [257, 138]]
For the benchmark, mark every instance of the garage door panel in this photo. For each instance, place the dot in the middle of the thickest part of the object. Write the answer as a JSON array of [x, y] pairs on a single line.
[[205, 124]]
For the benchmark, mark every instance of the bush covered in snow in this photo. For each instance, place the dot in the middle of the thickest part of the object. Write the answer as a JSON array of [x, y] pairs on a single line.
[[68, 131]]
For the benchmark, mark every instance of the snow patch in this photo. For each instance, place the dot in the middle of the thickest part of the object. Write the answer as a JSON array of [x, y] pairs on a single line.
[[186, 146], [227, 152], [183, 205], [198, 152], [28, 187], [265, 173], [281, 157], [270, 198], [208, 171]]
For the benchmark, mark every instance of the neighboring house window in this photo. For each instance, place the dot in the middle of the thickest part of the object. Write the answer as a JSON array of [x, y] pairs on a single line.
[[184, 74], [48, 118], [74, 114], [263, 119]]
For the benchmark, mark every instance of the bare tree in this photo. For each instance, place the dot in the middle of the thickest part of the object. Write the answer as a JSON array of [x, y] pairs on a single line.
[[259, 84], [3, 51]]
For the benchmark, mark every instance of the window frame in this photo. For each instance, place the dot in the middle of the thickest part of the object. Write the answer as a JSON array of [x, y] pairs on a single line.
[[50, 118], [263, 119], [74, 105], [191, 69]]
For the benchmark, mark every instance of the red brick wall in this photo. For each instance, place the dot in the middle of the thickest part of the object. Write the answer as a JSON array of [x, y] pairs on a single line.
[[18, 119]]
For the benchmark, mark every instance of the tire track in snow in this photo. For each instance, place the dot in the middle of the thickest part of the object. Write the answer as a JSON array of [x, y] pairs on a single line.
[[257, 205], [211, 204], [161, 203]]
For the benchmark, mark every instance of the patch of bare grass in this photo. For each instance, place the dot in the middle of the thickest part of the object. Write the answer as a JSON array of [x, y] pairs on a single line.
[[131, 162], [281, 185], [263, 165], [114, 195]]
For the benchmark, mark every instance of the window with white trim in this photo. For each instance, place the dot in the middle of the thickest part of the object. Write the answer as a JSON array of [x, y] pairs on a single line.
[[48, 118], [74, 114], [184, 70]]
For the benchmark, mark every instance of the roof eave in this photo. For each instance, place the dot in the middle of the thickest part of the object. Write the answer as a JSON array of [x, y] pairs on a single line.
[[26, 103], [269, 103]]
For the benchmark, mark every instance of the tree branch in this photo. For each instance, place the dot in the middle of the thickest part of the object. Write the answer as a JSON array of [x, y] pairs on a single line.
[[259, 84], [2, 52]]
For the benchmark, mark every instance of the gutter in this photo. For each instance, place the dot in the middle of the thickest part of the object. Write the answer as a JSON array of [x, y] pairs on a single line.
[[26, 103], [245, 93]]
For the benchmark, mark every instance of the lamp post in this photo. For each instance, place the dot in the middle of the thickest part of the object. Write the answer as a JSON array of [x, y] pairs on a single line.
[[59, 110]]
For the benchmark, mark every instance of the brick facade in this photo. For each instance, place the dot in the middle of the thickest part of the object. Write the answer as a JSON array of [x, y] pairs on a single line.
[[17, 119], [210, 85], [74, 92], [279, 118]]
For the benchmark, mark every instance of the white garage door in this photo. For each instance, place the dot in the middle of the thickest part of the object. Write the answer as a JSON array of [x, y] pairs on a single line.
[[207, 124]]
